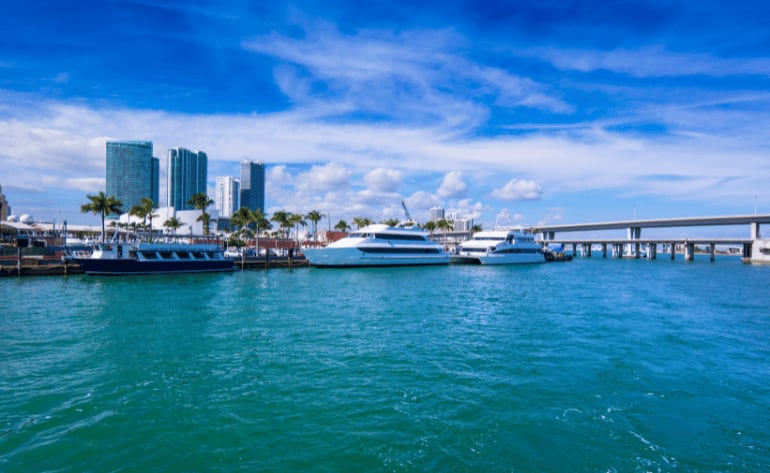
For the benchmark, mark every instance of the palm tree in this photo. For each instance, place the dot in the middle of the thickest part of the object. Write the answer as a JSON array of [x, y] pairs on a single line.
[[476, 228], [314, 216], [201, 201], [148, 206], [260, 222], [430, 226], [297, 220], [282, 218], [361, 221], [391, 222], [342, 226], [241, 219], [245, 217], [445, 225], [143, 211], [173, 223], [102, 204]]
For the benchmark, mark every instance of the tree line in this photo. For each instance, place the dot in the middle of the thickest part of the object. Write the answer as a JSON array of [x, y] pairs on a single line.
[[249, 223]]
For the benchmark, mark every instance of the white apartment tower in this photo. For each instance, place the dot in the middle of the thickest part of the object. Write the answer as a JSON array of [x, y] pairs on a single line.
[[228, 196], [436, 214]]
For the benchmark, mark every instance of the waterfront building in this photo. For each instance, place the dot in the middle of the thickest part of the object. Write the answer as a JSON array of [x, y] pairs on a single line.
[[132, 172], [436, 214], [187, 174], [5, 209], [227, 195], [253, 185]]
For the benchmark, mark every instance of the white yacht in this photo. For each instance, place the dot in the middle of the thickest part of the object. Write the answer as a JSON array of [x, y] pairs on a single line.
[[502, 246], [379, 245]]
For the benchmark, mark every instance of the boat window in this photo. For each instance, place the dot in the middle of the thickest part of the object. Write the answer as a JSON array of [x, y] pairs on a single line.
[[396, 236], [384, 250]]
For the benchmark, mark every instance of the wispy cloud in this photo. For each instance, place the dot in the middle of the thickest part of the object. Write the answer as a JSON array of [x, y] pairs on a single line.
[[652, 61]]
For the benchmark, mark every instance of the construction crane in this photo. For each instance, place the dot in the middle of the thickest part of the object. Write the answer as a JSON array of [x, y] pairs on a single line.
[[406, 212]]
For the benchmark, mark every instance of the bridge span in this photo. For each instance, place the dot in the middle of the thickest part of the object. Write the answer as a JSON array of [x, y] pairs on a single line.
[[754, 248]]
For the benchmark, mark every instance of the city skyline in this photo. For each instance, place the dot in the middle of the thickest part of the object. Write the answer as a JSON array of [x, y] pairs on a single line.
[[558, 113]]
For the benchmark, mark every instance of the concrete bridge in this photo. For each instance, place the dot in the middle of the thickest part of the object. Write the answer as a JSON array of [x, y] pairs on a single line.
[[754, 248]]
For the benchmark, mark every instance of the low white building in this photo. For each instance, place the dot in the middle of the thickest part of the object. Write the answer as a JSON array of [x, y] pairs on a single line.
[[188, 218]]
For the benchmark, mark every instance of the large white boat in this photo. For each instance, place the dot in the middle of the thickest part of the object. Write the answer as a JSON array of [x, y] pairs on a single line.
[[502, 246], [117, 258], [379, 245]]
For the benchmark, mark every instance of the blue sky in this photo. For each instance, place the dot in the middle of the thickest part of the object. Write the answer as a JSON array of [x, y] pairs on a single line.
[[558, 112]]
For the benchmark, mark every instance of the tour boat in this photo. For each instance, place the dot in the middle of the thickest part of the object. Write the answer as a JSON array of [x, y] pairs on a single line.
[[379, 245], [508, 246], [118, 258]]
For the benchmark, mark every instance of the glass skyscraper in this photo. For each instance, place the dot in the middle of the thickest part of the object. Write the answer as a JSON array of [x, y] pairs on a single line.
[[187, 173], [253, 185], [132, 172]]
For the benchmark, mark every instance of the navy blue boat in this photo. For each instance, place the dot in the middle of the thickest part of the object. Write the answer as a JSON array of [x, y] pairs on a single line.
[[153, 258]]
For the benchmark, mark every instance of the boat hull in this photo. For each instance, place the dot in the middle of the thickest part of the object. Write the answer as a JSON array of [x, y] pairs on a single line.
[[107, 267], [355, 258], [512, 258]]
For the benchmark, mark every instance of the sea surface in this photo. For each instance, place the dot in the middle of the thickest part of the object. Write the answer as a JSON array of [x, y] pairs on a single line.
[[588, 366]]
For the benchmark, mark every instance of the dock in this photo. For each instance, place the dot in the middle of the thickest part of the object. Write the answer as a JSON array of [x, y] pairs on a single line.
[[48, 266]]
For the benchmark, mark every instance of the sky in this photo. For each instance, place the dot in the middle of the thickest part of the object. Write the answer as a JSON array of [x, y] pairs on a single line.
[[554, 112]]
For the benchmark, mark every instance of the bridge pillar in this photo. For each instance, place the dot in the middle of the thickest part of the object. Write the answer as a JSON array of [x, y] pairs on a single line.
[[604, 250], [587, 250], [673, 250], [574, 250], [652, 251], [689, 251], [755, 231], [712, 251], [637, 252]]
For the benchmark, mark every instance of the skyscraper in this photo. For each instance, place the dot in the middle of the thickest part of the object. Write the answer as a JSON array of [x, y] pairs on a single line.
[[132, 172], [5, 209], [228, 196], [253, 185], [187, 173]]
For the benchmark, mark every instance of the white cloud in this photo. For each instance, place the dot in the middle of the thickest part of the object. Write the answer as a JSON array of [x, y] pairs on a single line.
[[329, 177], [383, 180], [518, 189], [452, 186]]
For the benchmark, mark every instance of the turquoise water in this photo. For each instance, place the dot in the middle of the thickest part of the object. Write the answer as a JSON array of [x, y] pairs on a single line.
[[592, 365]]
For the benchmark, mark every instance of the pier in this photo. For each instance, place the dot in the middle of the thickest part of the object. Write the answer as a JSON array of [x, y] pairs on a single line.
[[753, 247]]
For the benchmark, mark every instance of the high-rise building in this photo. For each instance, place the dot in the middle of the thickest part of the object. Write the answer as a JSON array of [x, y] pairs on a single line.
[[187, 174], [228, 196], [5, 209], [132, 172], [436, 214], [253, 185]]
